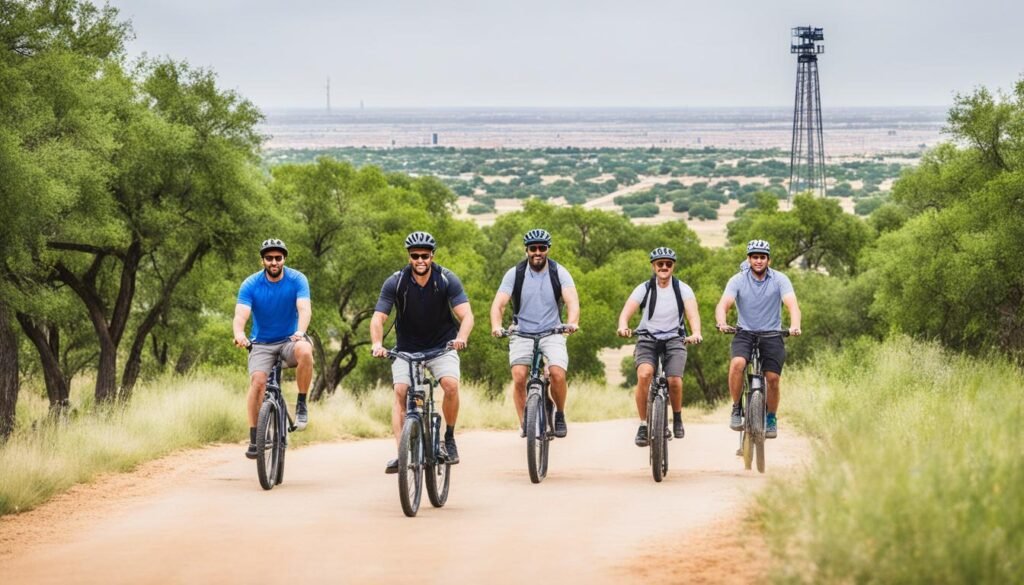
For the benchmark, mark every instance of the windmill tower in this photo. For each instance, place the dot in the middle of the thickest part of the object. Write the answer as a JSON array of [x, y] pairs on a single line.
[[807, 157]]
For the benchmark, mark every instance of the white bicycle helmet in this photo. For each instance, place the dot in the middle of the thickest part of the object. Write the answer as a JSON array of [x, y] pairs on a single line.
[[273, 244], [537, 236], [420, 240], [662, 253], [759, 247]]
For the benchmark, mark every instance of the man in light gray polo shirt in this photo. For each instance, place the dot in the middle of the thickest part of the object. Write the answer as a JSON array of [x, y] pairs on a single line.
[[758, 292], [537, 288]]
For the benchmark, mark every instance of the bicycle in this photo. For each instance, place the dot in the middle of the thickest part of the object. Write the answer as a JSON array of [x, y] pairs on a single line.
[[420, 451], [272, 427], [657, 412], [539, 423], [755, 411]]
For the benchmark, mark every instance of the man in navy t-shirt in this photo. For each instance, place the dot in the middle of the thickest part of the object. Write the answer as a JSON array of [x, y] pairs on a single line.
[[278, 300], [425, 296]]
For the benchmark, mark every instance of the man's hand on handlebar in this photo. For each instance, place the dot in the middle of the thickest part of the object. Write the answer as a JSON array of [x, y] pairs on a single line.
[[379, 351], [795, 331], [570, 328], [457, 344], [625, 332], [693, 339], [725, 328], [241, 341]]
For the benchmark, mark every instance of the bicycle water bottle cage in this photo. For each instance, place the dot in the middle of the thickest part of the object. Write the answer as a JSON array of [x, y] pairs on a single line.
[[755, 382]]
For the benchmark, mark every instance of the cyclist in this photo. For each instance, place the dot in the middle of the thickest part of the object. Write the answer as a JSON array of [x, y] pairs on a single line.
[[758, 290], [424, 295], [668, 300], [277, 297], [537, 287]]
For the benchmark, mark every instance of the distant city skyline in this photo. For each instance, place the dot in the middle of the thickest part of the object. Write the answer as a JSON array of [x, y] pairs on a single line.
[[586, 54]]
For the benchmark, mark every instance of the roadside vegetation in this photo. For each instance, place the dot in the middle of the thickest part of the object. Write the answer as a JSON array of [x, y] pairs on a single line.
[[917, 476]]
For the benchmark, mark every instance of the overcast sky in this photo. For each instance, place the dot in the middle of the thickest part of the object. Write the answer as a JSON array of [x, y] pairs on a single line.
[[588, 53]]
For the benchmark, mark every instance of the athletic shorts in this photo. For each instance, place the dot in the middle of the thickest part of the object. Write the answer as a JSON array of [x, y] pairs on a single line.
[[675, 355], [520, 351], [445, 365], [263, 356], [773, 350]]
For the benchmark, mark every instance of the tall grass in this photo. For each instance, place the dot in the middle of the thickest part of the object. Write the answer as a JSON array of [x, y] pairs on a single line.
[[919, 476], [45, 457]]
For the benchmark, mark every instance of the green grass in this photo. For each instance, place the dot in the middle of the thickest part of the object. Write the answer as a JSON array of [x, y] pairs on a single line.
[[918, 476], [44, 457]]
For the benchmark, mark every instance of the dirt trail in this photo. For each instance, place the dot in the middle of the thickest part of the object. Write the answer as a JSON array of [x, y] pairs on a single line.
[[598, 517]]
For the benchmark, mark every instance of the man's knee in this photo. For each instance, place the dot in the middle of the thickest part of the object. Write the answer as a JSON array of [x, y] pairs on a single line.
[[773, 379], [737, 364], [450, 386], [556, 374], [258, 382], [519, 374]]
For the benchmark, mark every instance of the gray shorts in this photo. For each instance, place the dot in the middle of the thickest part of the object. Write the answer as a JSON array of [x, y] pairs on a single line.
[[263, 356], [445, 365], [556, 353], [675, 355]]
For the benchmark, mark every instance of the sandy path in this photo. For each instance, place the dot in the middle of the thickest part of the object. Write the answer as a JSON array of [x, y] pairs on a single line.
[[336, 518]]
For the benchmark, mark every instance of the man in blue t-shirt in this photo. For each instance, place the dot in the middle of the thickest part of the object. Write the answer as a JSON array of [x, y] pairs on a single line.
[[428, 298], [278, 300], [531, 286], [758, 292]]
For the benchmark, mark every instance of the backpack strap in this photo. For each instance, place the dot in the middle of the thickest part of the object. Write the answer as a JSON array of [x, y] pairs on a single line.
[[647, 296], [517, 287], [676, 288]]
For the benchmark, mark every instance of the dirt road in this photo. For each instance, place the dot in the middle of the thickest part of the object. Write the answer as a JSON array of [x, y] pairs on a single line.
[[337, 519]]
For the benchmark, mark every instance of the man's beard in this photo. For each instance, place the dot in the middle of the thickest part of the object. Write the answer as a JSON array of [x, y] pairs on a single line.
[[538, 262], [273, 272]]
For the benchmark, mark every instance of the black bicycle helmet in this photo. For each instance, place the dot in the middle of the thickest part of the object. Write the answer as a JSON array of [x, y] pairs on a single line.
[[662, 253], [273, 244], [759, 247], [420, 240], [537, 236]]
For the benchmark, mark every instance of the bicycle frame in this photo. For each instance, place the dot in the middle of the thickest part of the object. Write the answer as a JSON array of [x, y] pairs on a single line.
[[419, 403]]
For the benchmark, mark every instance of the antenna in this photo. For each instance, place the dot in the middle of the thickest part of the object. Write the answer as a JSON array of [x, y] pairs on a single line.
[[807, 157]]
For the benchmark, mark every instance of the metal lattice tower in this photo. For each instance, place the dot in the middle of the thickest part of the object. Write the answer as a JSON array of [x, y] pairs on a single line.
[[807, 158]]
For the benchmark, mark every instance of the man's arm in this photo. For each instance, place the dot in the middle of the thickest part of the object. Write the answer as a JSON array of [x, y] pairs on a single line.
[[377, 334], [242, 313], [627, 311], [465, 316], [721, 310], [572, 307], [498, 311], [693, 317], [794, 313], [305, 308]]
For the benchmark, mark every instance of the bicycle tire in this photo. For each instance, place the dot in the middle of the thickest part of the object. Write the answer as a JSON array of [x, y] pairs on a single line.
[[756, 414], [438, 477], [536, 439], [279, 477], [656, 432], [410, 467], [267, 435]]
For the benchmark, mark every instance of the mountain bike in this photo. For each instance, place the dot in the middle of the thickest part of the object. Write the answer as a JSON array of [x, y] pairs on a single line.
[[272, 427], [657, 412], [538, 415], [420, 452], [755, 411]]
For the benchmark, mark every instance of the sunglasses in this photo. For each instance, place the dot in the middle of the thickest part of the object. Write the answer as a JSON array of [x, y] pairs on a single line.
[[419, 256], [273, 258], [541, 248], [664, 264], [758, 257]]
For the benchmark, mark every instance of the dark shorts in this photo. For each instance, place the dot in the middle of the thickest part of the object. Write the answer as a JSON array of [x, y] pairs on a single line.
[[675, 355], [773, 350]]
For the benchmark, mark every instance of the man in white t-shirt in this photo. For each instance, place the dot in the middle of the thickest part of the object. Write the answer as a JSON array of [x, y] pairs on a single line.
[[666, 300]]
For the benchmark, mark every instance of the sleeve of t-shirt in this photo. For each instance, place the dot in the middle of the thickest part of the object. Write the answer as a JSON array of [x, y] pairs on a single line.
[[638, 293], [686, 291], [785, 286], [301, 286], [732, 289], [456, 293], [245, 293], [565, 278], [386, 300], [508, 282]]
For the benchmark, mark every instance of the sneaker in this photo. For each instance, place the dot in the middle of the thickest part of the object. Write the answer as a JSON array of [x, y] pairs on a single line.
[[641, 436], [771, 430], [560, 429], [452, 450], [392, 466], [252, 452], [301, 416], [736, 420], [522, 429], [678, 430]]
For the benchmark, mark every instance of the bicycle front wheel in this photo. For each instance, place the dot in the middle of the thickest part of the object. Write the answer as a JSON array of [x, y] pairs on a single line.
[[756, 418], [410, 467], [268, 444], [659, 444], [438, 476], [536, 439]]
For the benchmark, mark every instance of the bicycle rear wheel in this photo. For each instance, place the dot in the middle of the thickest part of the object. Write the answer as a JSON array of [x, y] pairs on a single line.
[[659, 445], [268, 443], [536, 439], [756, 418], [410, 467], [438, 476]]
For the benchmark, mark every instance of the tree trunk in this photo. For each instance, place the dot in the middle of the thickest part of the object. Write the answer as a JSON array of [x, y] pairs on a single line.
[[48, 347], [8, 373]]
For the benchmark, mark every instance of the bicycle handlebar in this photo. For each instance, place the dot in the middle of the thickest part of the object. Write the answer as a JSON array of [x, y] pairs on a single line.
[[553, 331], [420, 356], [769, 333], [648, 335]]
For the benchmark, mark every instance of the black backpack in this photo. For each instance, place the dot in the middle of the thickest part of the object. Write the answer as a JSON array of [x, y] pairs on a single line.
[[402, 287], [654, 299], [517, 288]]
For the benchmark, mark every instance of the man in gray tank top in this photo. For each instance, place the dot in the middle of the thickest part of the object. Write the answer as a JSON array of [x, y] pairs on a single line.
[[758, 292]]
